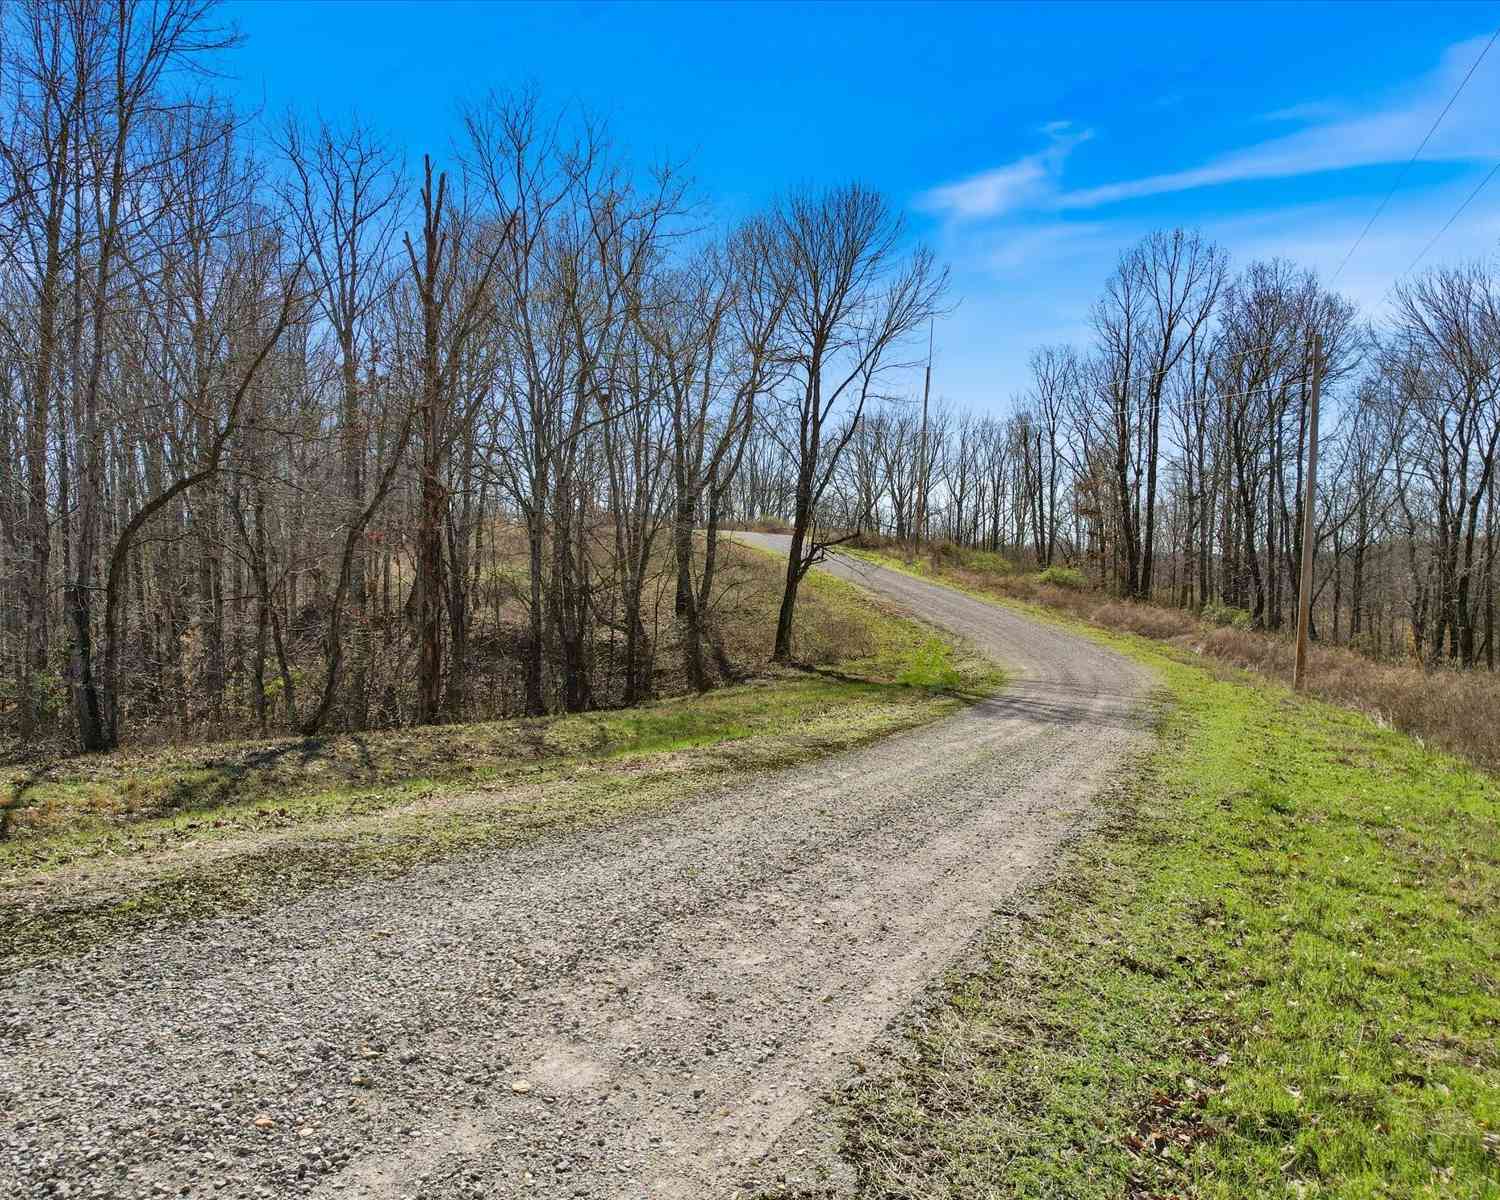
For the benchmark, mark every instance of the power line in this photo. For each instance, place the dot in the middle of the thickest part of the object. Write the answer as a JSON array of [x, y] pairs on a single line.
[[1474, 66], [1178, 364], [1449, 224], [1390, 290], [1412, 160]]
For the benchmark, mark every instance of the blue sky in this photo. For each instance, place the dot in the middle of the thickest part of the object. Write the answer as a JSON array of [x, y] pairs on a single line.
[[1028, 144]]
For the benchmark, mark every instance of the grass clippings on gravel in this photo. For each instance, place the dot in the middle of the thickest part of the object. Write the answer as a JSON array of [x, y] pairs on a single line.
[[1273, 975]]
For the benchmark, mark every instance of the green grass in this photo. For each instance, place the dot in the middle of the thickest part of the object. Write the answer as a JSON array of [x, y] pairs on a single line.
[[932, 665], [1274, 974], [110, 841], [921, 567]]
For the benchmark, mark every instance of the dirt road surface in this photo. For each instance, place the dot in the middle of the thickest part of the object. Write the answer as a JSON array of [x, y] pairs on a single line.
[[649, 1010]]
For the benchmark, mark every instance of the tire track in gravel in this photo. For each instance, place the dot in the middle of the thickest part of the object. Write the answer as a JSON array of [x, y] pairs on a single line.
[[676, 992]]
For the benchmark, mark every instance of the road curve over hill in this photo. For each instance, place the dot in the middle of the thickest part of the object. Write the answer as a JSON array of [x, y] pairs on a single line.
[[650, 1010]]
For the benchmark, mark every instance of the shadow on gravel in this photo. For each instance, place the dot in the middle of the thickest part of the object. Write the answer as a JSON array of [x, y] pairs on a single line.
[[969, 695], [1061, 704], [1042, 703]]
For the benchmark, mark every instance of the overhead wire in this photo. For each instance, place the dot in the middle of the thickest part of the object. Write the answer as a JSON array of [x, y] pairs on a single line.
[[1416, 154], [1385, 200], [1458, 212]]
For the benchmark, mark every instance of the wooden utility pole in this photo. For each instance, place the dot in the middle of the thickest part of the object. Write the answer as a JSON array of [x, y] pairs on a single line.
[[1309, 522]]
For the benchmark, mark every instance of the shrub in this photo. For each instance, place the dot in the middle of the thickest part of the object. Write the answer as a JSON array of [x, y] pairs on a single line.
[[1227, 616], [953, 556], [868, 539], [1063, 577], [988, 562], [49, 698], [1148, 620]]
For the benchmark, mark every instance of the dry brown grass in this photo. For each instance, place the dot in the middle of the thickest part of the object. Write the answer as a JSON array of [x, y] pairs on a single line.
[[761, 525], [1456, 710], [748, 602]]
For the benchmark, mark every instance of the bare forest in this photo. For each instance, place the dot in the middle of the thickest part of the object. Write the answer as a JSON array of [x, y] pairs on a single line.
[[1165, 460], [299, 436]]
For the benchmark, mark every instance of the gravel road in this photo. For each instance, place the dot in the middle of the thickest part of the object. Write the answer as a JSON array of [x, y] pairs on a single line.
[[652, 1009]]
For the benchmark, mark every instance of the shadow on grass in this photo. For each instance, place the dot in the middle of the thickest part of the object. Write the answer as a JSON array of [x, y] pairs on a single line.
[[14, 802], [970, 695]]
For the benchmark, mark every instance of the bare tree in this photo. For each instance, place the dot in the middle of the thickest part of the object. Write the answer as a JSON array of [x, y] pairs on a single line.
[[1448, 333], [451, 277], [343, 191], [1155, 306], [853, 299]]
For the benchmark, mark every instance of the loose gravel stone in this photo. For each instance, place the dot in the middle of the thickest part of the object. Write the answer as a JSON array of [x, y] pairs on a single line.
[[653, 1009]]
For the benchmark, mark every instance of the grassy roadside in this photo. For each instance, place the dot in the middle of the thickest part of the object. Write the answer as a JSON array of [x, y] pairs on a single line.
[[1274, 975], [109, 843], [1446, 707]]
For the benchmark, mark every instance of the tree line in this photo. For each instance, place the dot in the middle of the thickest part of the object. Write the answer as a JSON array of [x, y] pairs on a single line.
[[1167, 456], [296, 436]]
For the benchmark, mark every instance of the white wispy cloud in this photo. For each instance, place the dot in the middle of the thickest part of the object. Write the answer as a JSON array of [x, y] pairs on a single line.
[[1387, 134], [1016, 250], [1307, 111], [1318, 235], [1009, 229], [1027, 182], [1332, 138]]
